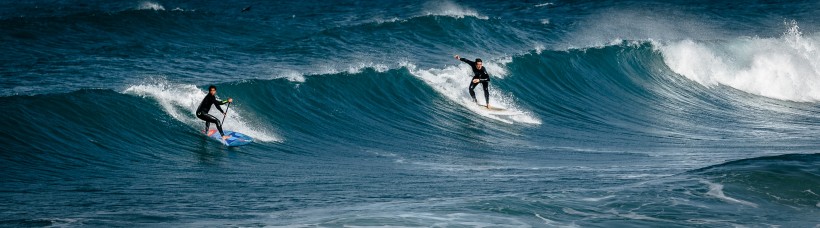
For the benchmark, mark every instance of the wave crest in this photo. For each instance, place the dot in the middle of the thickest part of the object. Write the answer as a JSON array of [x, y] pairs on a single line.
[[448, 8], [181, 101], [150, 6], [785, 68]]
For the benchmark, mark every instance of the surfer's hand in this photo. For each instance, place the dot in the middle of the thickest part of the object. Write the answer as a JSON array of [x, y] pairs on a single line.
[[475, 80], [456, 57], [230, 100]]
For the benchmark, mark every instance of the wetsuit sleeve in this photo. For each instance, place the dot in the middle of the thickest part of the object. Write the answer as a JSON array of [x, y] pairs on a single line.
[[467, 61], [217, 103]]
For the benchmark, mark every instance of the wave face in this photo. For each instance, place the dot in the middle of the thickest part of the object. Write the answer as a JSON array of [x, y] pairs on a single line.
[[636, 113]]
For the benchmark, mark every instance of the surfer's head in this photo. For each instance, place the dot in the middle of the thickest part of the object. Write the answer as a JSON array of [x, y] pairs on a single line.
[[212, 90], [478, 63]]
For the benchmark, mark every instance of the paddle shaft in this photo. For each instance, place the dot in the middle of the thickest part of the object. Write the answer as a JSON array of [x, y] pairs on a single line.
[[226, 113]]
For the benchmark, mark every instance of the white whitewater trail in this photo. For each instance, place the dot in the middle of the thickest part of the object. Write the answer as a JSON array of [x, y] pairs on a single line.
[[453, 81], [180, 101]]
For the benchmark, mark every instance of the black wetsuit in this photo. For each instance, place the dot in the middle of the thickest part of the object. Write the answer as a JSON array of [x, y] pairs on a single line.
[[483, 78], [204, 107]]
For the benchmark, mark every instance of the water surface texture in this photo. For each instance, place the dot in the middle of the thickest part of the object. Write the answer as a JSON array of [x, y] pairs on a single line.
[[633, 114]]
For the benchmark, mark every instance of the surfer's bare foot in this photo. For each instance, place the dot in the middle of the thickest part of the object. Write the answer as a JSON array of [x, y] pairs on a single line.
[[225, 137]]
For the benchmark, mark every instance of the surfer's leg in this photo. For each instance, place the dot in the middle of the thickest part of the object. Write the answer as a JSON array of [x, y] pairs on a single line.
[[208, 118], [219, 127], [484, 85], [218, 124], [472, 92], [207, 123]]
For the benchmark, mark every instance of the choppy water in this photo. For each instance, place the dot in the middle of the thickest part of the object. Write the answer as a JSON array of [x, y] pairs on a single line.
[[636, 113]]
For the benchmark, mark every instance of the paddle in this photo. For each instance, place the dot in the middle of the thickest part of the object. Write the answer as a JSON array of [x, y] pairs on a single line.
[[226, 113]]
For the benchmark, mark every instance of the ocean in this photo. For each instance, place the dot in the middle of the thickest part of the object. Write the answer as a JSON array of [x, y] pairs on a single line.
[[629, 114]]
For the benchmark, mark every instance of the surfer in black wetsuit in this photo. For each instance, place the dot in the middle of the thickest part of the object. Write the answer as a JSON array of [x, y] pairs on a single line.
[[205, 106], [480, 75]]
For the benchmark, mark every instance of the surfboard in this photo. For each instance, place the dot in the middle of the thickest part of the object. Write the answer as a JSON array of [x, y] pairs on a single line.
[[236, 138], [498, 111]]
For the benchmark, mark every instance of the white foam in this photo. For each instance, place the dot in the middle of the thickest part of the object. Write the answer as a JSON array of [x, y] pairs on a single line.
[[392, 214], [785, 68], [571, 211], [150, 6], [354, 68], [613, 25], [552, 223], [453, 81], [292, 75], [545, 4], [391, 20], [327, 69], [597, 199], [436, 8], [61, 222], [716, 190], [539, 48], [180, 101], [450, 9], [636, 216]]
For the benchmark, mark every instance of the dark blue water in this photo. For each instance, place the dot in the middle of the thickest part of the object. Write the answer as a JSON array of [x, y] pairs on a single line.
[[632, 114]]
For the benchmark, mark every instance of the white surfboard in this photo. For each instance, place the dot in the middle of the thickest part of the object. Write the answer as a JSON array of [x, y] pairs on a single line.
[[501, 111]]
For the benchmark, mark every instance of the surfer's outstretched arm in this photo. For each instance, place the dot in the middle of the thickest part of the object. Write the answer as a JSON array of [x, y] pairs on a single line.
[[465, 60]]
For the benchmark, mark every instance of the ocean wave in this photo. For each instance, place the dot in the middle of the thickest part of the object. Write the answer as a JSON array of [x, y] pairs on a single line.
[[150, 6], [785, 68], [361, 110], [452, 83], [788, 179], [181, 101], [450, 9]]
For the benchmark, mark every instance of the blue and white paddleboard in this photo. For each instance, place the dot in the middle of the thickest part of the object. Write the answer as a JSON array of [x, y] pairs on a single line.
[[236, 138]]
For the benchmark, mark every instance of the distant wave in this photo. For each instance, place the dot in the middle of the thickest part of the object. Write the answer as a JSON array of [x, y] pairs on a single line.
[[544, 4], [799, 161], [150, 6], [448, 8]]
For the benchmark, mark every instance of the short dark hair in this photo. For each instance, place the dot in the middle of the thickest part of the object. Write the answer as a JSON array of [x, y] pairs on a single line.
[[478, 60], [211, 87]]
